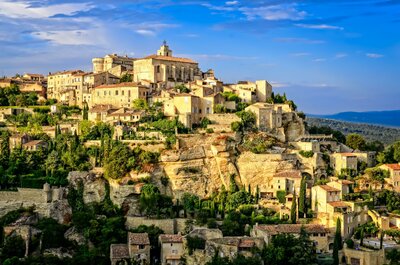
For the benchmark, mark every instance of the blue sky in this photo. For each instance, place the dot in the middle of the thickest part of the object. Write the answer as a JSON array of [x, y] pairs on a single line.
[[329, 56]]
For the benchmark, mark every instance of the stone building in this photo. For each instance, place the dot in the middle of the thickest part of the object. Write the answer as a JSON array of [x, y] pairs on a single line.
[[343, 161], [328, 207], [28, 83], [171, 249], [113, 63], [119, 95], [137, 249], [162, 68], [250, 92], [232, 246], [394, 175], [268, 116], [318, 233]]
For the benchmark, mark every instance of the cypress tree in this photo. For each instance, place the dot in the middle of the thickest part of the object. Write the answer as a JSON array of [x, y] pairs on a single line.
[[302, 198], [337, 243], [293, 216]]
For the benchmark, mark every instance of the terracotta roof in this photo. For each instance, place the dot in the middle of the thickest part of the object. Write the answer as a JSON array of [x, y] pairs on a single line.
[[393, 166], [119, 251], [125, 84], [33, 143], [246, 243], [102, 108], [346, 182], [170, 58], [165, 238], [347, 154], [173, 257], [67, 72], [138, 238], [328, 188], [291, 228], [288, 174], [338, 204]]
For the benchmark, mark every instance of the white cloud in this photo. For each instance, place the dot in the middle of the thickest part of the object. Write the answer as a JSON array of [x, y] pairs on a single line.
[[374, 55], [300, 54], [23, 9], [274, 12], [231, 3], [145, 32], [71, 37], [341, 55], [276, 84], [217, 57], [318, 60], [299, 40], [319, 26]]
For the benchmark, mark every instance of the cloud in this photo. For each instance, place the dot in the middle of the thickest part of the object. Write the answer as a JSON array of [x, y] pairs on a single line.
[[319, 26], [273, 12], [23, 9], [319, 60], [299, 40], [145, 32], [341, 55], [300, 54], [231, 3], [71, 37], [374, 55]]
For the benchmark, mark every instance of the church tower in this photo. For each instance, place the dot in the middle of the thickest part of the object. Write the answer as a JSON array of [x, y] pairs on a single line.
[[164, 50]]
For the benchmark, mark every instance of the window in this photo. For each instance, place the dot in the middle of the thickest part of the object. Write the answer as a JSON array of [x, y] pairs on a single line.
[[116, 92], [122, 92], [141, 246], [105, 93]]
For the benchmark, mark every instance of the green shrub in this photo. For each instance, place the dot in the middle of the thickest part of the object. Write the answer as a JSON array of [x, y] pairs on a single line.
[[306, 154], [209, 130], [281, 195], [195, 242]]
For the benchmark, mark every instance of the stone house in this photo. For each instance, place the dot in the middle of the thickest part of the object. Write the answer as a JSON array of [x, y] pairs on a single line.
[[112, 63], [137, 249], [328, 207], [119, 95], [394, 175], [171, 249], [343, 161], [267, 116], [319, 235], [35, 145], [250, 92], [18, 139], [233, 246], [162, 68]]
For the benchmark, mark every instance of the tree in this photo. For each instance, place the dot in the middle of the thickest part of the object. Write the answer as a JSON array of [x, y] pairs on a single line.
[[356, 141], [148, 199], [248, 120], [190, 202], [118, 162], [85, 112], [140, 104], [394, 257], [337, 243], [232, 184], [126, 78], [302, 198], [293, 209]]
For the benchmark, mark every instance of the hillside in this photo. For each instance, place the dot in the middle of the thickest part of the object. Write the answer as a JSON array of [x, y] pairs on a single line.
[[371, 132], [387, 118]]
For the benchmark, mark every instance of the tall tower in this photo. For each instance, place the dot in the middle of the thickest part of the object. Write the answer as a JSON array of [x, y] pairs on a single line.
[[164, 50]]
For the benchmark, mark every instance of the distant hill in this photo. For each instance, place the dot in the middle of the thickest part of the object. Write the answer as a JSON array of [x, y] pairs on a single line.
[[371, 132], [387, 118]]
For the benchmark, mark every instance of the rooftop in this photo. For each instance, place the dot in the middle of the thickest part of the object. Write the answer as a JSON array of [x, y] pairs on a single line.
[[170, 58], [243, 242], [329, 188], [291, 228], [168, 238], [119, 251], [125, 84], [33, 143], [339, 204], [393, 166], [138, 238]]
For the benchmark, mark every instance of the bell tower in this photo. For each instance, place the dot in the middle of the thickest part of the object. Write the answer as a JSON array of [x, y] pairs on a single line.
[[164, 50]]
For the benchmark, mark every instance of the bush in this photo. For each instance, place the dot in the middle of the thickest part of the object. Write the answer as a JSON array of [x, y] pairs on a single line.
[[195, 242], [209, 130], [281, 195], [236, 126], [306, 154], [350, 243]]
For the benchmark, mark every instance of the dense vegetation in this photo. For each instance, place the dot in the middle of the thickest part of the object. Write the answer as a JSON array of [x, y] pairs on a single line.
[[386, 135]]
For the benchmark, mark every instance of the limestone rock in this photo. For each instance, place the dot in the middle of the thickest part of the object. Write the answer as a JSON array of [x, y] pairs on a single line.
[[73, 235]]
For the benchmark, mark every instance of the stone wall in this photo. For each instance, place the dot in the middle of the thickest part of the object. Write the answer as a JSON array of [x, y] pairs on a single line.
[[147, 145], [169, 226]]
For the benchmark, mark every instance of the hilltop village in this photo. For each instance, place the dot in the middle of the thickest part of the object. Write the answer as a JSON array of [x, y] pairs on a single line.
[[153, 161]]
